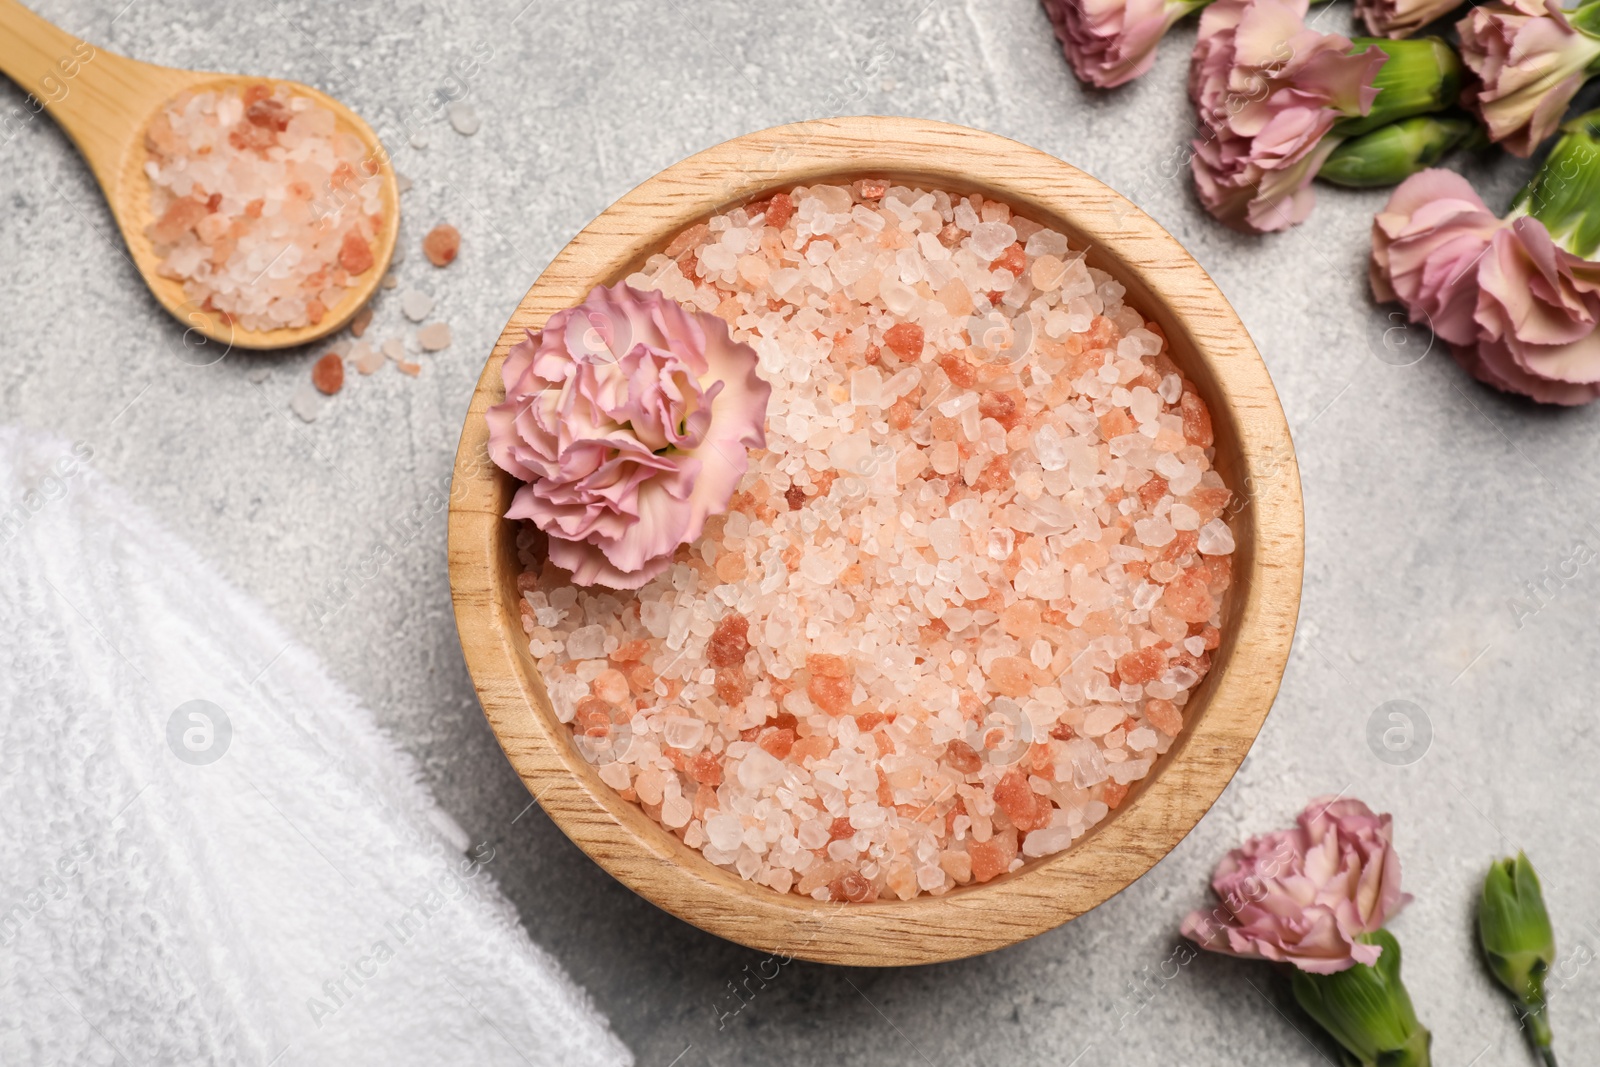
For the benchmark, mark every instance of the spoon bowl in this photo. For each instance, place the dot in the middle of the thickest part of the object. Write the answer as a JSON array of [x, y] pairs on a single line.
[[105, 103]]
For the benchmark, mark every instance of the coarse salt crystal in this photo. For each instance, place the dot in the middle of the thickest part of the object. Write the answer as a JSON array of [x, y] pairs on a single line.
[[587, 642], [683, 731], [1154, 532], [1049, 449], [1215, 539], [759, 769], [724, 831]]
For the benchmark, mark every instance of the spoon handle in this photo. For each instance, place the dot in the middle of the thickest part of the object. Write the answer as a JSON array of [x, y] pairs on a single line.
[[100, 99]]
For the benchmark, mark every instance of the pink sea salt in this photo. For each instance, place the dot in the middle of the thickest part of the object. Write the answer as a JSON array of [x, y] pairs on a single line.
[[264, 209], [957, 606]]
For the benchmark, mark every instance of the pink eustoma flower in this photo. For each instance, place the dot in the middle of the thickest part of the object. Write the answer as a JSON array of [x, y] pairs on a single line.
[[629, 419], [1529, 63], [1303, 896], [1267, 90], [1110, 42]]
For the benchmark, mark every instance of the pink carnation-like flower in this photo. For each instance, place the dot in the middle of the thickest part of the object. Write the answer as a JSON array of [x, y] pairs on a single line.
[[1426, 247], [1520, 312], [1303, 896], [1401, 18], [1267, 90], [1529, 63], [629, 418], [1538, 306], [1109, 42]]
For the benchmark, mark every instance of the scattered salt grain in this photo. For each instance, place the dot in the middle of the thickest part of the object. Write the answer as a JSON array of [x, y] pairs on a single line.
[[442, 244], [463, 118], [306, 402], [366, 358], [416, 304], [434, 336], [327, 374]]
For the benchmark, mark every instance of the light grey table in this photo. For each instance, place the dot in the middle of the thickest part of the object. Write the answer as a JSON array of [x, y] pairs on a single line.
[[1430, 502]]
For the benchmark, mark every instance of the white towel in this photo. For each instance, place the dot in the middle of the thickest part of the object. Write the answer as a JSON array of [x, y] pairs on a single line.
[[299, 900]]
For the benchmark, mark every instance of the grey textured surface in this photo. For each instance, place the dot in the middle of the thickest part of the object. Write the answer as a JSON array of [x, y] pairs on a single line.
[[1429, 503]]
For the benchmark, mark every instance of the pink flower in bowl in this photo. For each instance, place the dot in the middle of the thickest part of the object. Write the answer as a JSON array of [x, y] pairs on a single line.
[[1303, 896], [629, 418]]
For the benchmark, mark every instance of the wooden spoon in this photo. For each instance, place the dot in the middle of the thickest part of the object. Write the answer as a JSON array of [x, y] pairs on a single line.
[[105, 102]]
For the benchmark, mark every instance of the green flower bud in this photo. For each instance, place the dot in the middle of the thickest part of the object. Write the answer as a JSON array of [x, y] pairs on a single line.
[[1392, 153], [1420, 75], [1367, 1009], [1514, 929], [1565, 193]]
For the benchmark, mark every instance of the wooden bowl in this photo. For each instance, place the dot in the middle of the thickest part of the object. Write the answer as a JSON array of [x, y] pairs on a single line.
[[1253, 454]]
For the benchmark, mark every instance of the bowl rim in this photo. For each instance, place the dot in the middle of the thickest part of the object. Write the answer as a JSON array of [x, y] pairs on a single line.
[[1166, 283]]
